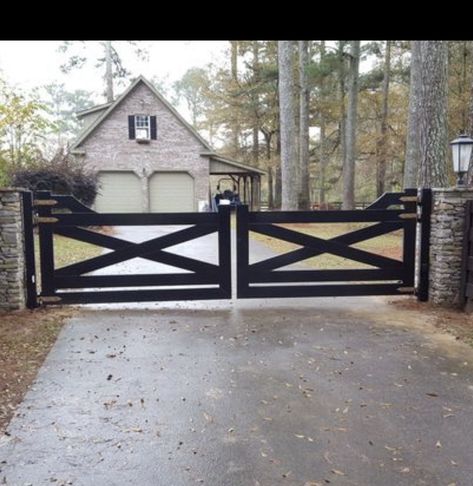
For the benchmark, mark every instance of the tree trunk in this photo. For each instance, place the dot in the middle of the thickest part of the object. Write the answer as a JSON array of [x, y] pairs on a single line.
[[433, 114], [108, 71], [304, 96], [469, 129], [349, 166], [267, 138], [383, 136], [341, 85], [235, 125], [255, 147], [288, 127], [323, 163], [412, 140], [277, 179]]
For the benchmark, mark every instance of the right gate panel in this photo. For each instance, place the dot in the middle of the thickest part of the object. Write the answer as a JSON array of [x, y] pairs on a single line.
[[380, 274]]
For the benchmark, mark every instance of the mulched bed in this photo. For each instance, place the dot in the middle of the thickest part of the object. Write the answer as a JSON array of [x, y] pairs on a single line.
[[25, 340]]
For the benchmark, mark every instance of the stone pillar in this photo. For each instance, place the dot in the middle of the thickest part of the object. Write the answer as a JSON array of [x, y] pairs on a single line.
[[446, 245], [12, 260]]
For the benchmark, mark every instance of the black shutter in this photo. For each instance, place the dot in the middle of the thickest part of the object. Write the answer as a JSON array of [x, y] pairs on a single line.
[[154, 131], [131, 127]]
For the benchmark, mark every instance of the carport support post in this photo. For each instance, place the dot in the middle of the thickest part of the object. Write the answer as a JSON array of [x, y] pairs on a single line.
[[446, 245], [12, 251]]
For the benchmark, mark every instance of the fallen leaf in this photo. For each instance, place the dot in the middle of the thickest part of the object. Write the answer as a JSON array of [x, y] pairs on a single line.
[[405, 470], [338, 473], [299, 436], [438, 444]]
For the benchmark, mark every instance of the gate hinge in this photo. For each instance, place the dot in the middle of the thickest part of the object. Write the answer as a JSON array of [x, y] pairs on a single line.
[[406, 290], [408, 215], [408, 199], [49, 299], [44, 202], [44, 219]]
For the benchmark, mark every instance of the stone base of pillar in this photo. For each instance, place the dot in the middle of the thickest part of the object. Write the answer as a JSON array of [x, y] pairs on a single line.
[[446, 246]]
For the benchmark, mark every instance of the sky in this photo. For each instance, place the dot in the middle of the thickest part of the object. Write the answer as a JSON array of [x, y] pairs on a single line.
[[29, 64]]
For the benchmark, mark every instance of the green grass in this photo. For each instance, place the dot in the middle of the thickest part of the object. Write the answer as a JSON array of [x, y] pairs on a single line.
[[66, 252], [389, 245]]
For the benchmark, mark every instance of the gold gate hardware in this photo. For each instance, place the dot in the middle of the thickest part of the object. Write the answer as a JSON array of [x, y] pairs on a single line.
[[408, 216], [406, 290], [44, 202], [46, 299], [44, 219], [408, 199]]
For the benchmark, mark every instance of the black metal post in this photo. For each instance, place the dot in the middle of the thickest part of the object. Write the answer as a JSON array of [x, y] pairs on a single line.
[[46, 249], [409, 240], [28, 241], [224, 251], [242, 250], [426, 210]]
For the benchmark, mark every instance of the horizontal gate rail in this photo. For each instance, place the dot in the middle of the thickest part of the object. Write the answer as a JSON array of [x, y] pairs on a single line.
[[201, 280], [343, 216], [134, 219], [389, 276]]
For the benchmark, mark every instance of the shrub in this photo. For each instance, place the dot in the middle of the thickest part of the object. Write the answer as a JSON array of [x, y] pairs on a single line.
[[61, 175]]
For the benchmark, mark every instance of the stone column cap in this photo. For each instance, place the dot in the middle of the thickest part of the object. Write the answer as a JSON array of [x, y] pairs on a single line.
[[14, 189]]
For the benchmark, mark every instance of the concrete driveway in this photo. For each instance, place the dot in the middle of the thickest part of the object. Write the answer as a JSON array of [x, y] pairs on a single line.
[[342, 391]]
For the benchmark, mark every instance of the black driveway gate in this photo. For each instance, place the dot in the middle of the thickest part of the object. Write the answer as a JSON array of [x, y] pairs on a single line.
[[387, 276], [73, 284], [73, 220]]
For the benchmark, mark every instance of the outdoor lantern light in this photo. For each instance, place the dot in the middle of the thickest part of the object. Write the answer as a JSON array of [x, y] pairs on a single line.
[[461, 152]]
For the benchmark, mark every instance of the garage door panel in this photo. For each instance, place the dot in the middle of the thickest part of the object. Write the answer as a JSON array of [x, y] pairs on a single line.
[[119, 192], [171, 192]]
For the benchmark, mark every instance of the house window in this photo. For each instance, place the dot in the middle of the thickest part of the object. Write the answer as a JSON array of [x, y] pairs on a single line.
[[142, 127]]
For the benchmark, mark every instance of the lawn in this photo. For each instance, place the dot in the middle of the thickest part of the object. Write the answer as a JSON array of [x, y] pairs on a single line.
[[67, 251], [389, 245], [27, 336]]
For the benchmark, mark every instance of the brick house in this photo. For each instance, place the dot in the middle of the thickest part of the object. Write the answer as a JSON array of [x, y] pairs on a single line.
[[148, 158]]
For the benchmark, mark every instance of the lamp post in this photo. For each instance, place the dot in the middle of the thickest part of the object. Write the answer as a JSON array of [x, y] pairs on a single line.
[[461, 155]]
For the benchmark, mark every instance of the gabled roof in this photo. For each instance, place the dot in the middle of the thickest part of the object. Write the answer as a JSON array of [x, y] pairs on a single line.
[[140, 79], [88, 111], [227, 166]]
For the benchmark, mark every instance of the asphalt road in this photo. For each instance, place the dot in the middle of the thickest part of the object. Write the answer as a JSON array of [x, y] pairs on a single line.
[[339, 391]]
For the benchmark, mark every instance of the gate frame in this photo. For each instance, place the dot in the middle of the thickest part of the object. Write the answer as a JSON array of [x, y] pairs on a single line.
[[417, 206], [61, 223]]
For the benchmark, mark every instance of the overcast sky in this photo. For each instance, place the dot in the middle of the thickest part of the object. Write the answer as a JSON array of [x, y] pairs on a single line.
[[28, 64]]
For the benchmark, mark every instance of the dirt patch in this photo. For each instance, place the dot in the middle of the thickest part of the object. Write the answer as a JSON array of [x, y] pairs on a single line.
[[455, 322], [25, 339]]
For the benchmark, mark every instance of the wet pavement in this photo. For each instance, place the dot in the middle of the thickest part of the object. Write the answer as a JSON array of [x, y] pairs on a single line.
[[339, 391]]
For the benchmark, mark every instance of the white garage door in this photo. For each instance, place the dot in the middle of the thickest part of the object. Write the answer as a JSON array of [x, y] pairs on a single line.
[[119, 192], [171, 192]]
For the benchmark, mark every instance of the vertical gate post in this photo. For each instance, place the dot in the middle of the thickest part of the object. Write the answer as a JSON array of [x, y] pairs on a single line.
[[46, 251], [224, 251], [409, 239], [425, 203], [242, 250], [446, 250], [29, 247]]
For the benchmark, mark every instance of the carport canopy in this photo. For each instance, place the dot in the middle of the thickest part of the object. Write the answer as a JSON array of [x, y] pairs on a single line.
[[245, 177]]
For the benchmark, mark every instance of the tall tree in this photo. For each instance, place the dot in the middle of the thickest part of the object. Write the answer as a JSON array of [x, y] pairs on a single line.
[[413, 133], [235, 125], [350, 158], [111, 62], [322, 149], [288, 126], [382, 144], [433, 114], [304, 100]]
